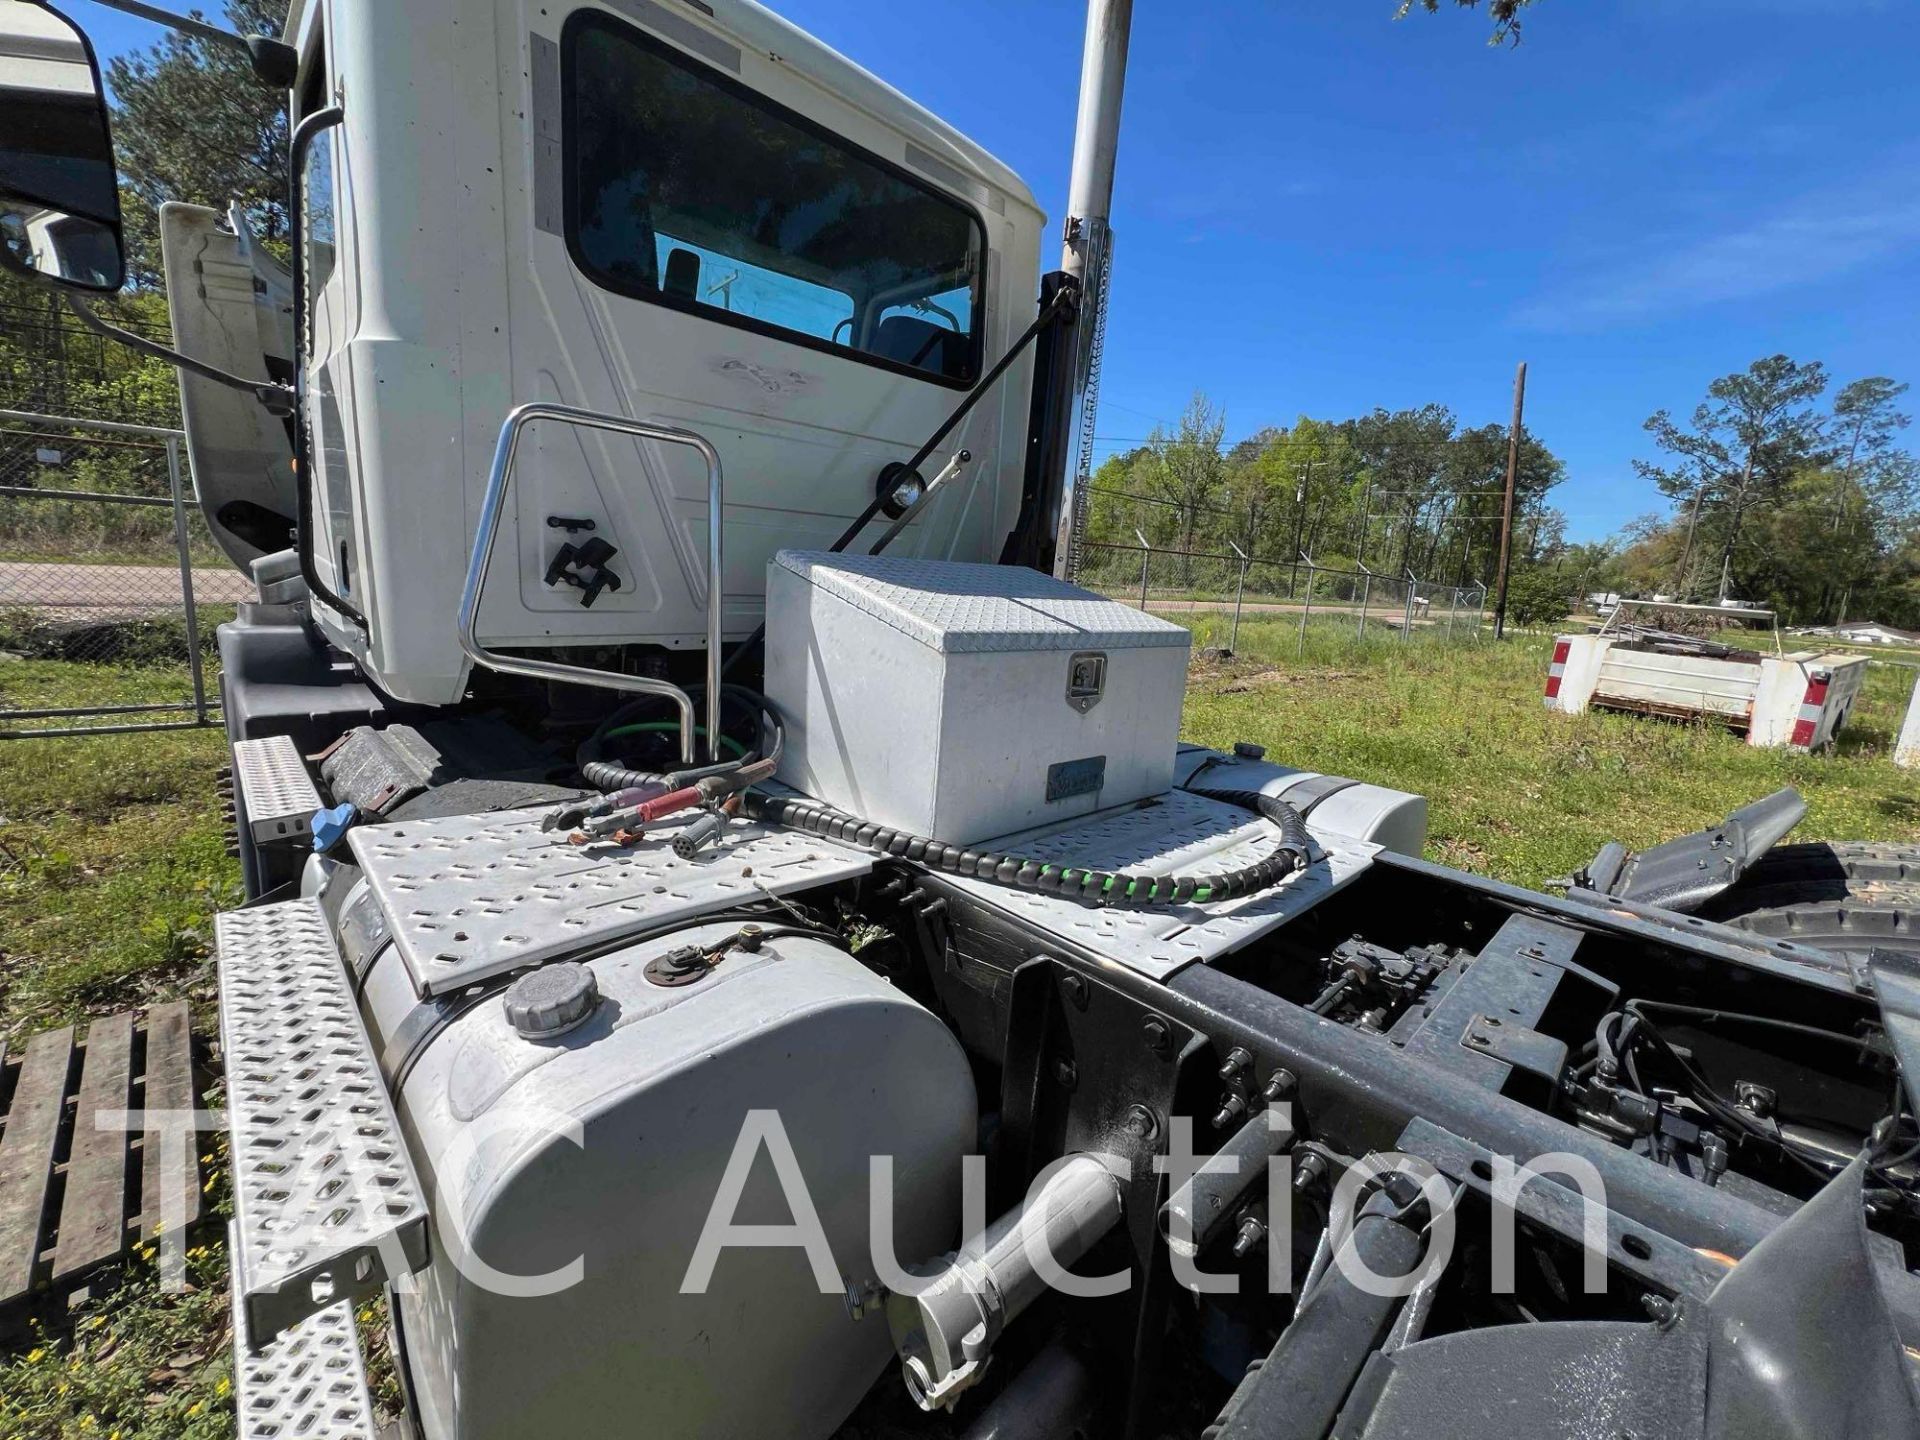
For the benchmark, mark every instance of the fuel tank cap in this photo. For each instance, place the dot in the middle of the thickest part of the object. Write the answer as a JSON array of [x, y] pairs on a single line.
[[552, 1000]]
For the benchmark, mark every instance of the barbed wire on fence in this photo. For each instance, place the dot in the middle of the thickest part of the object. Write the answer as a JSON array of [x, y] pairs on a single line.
[[1447, 533]]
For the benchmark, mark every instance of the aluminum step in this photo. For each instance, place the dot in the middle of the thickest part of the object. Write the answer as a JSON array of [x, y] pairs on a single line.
[[471, 897], [277, 795], [328, 1207], [310, 1384]]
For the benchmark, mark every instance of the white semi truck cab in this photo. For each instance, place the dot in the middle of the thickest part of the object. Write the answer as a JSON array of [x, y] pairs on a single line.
[[667, 733], [696, 217]]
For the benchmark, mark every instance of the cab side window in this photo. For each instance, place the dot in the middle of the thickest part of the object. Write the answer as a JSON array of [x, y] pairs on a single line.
[[686, 189]]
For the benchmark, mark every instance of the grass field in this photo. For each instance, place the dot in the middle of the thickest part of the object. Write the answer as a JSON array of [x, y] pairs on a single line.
[[112, 865], [1519, 791]]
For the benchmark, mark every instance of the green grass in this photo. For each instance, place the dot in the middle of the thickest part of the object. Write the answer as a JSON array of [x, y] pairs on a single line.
[[141, 1365], [1518, 791], [112, 865], [158, 552], [120, 660], [112, 854]]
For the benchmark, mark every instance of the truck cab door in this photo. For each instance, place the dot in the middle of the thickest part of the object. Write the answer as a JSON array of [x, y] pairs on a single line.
[[231, 304]]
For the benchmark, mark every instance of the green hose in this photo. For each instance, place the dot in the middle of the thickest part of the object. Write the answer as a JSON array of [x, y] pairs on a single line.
[[663, 727]]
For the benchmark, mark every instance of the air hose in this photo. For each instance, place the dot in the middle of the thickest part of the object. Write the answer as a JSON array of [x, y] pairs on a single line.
[[607, 774], [1047, 877], [632, 799]]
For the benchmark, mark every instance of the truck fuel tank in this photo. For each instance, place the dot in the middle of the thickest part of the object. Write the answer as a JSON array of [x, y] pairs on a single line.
[[588, 1134]]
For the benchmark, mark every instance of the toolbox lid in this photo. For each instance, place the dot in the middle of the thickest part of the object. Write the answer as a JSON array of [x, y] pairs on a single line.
[[960, 607]]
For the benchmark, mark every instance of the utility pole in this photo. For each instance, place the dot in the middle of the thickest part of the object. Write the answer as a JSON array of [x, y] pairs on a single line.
[[1304, 474], [1686, 550], [1506, 513], [1366, 520]]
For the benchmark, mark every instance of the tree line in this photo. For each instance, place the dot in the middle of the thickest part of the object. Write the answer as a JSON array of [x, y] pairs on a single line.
[[1394, 491], [1782, 491], [1780, 496]]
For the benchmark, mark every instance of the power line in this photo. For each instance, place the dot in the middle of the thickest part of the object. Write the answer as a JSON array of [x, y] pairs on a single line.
[[1143, 414], [1314, 447]]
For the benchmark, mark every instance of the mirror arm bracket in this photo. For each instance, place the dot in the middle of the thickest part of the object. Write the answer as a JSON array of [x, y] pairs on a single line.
[[278, 399], [274, 61]]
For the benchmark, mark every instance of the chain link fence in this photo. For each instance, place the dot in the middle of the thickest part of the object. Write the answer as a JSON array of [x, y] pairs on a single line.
[[54, 364], [1232, 590], [110, 584]]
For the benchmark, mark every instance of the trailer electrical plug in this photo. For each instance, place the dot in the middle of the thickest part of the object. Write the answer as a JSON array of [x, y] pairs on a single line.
[[697, 836]]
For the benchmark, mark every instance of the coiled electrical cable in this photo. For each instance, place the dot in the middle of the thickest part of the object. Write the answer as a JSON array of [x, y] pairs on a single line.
[[1046, 877]]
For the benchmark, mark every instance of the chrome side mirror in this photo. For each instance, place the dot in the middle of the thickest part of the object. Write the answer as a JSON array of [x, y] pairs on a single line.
[[59, 187]]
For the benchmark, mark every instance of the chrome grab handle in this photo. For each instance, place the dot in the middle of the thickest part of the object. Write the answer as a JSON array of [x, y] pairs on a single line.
[[495, 502]]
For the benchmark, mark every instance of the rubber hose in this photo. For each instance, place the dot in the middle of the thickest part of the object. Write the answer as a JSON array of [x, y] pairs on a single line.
[[1293, 853], [610, 775], [672, 727]]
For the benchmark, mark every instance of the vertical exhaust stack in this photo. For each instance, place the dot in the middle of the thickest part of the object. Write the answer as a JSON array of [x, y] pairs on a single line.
[[1096, 137], [1087, 249], [1067, 358]]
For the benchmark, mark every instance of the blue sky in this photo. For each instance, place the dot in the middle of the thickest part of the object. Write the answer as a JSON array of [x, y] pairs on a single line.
[[1320, 210]]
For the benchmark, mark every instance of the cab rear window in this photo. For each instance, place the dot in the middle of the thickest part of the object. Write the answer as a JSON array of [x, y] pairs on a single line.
[[687, 189]]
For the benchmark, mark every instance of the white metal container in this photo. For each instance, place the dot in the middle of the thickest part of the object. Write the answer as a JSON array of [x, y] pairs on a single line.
[[1906, 750], [1799, 700], [1683, 685], [964, 701], [1805, 698]]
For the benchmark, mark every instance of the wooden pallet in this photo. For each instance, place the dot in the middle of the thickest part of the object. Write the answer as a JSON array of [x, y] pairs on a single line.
[[74, 1197]]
